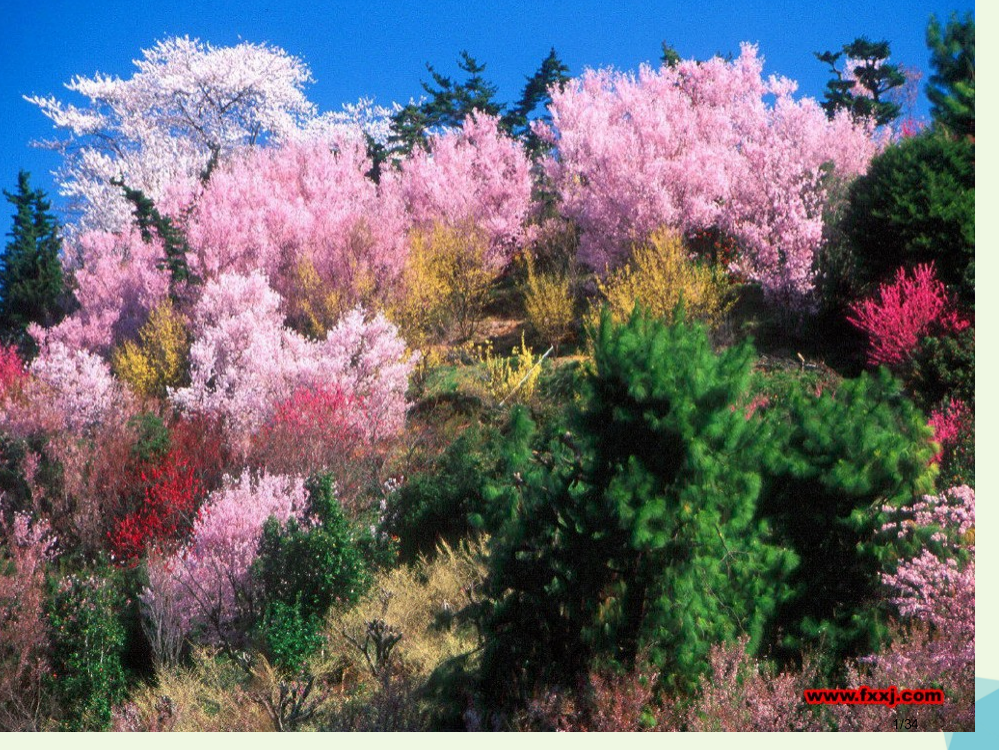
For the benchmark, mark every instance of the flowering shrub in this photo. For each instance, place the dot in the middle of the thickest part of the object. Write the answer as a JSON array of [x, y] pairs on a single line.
[[244, 361], [159, 360], [12, 372], [903, 313], [27, 547], [166, 513], [950, 423], [206, 584]]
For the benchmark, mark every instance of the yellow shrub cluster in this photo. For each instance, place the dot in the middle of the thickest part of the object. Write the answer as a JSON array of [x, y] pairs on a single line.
[[445, 285], [549, 303], [659, 276], [511, 378], [159, 359]]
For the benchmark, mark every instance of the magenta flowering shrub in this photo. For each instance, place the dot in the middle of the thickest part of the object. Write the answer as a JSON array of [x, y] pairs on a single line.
[[950, 422], [476, 175], [903, 312], [12, 372], [205, 587], [696, 146]]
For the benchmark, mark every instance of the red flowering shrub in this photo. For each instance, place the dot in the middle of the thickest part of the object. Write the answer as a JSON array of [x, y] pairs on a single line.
[[12, 371], [167, 512], [949, 423], [903, 313]]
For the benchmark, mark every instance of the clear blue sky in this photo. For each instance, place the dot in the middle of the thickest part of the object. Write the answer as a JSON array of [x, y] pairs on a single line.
[[378, 48]]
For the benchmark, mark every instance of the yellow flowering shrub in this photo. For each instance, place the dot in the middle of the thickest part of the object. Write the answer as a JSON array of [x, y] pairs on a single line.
[[505, 374], [549, 304], [660, 275], [159, 358], [445, 285]]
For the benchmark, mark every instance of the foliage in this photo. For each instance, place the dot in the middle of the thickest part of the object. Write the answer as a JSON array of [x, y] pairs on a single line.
[[13, 374], [27, 548], [207, 583], [441, 502], [87, 638], [449, 105], [833, 460], [31, 278], [951, 88], [648, 501], [860, 86], [659, 277], [906, 311], [511, 378], [552, 73], [695, 146], [306, 568], [916, 204], [943, 366], [445, 284], [159, 360], [549, 302]]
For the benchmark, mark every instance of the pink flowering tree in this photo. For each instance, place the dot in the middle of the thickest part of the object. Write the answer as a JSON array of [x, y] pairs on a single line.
[[473, 175], [118, 280], [697, 146], [934, 592], [244, 362], [278, 208], [902, 313], [205, 588]]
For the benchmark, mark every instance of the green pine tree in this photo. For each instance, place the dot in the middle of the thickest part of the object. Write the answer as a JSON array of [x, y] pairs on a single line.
[[552, 72], [635, 532], [873, 73], [951, 88], [31, 279]]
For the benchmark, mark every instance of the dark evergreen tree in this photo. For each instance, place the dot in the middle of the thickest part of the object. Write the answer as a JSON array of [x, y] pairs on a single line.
[[669, 57], [31, 279], [635, 531], [175, 247], [448, 106], [916, 204], [951, 88], [552, 72], [872, 72]]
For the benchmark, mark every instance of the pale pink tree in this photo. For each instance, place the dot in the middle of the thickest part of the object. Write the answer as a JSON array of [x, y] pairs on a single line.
[[205, 587], [474, 175], [118, 279], [244, 362], [697, 146]]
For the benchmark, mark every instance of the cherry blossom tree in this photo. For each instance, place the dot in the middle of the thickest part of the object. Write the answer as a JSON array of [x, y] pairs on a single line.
[[188, 105], [697, 145], [475, 175], [276, 209], [244, 362]]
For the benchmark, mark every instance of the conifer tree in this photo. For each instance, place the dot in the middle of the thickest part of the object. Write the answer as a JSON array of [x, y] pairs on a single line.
[[860, 86], [552, 72], [31, 280], [635, 531], [951, 88]]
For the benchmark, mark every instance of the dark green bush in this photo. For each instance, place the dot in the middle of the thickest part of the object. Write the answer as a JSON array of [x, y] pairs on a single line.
[[87, 639]]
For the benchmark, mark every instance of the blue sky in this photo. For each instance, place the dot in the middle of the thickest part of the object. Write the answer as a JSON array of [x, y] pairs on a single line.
[[378, 48]]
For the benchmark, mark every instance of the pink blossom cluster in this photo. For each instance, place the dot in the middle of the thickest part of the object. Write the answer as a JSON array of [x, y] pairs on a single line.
[[903, 312], [276, 208], [695, 146], [473, 175], [244, 362], [949, 424], [12, 371], [117, 282], [206, 584]]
